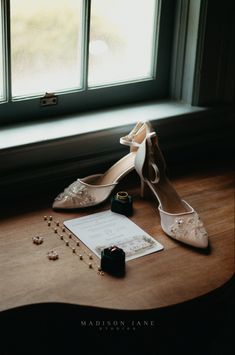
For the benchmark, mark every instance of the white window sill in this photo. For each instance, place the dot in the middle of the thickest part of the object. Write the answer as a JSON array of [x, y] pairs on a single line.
[[32, 133]]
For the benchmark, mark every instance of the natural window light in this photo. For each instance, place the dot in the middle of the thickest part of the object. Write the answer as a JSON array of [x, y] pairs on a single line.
[[121, 46], [47, 44]]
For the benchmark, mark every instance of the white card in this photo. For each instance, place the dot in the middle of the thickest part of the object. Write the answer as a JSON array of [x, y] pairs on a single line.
[[103, 229]]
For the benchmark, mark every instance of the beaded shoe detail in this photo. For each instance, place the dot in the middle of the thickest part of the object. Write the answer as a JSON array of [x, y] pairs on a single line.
[[76, 191], [188, 229], [82, 193]]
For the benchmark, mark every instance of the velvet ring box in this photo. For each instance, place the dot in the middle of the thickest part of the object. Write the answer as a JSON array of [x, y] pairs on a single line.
[[113, 260]]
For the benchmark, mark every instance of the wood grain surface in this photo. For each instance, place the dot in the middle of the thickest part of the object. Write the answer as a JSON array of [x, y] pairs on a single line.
[[177, 274]]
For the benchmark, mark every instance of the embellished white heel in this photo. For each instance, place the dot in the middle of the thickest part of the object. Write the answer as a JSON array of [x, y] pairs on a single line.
[[178, 219], [95, 189]]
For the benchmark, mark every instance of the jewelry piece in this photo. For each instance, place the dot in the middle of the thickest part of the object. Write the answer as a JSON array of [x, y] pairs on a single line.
[[122, 203], [122, 195], [37, 240], [53, 255], [73, 244]]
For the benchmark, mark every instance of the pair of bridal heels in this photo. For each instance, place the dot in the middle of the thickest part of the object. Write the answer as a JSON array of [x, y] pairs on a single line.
[[178, 219]]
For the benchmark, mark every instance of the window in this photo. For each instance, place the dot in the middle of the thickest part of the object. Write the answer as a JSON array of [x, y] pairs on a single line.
[[1, 59], [120, 49], [88, 53], [46, 38]]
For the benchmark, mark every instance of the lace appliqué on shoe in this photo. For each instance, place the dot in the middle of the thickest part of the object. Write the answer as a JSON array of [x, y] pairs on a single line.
[[188, 228], [78, 194]]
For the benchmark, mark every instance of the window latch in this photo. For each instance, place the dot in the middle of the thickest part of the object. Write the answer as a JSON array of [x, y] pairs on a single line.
[[49, 99]]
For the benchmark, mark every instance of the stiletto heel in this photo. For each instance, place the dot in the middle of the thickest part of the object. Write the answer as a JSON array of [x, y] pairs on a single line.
[[143, 188], [95, 189], [178, 219]]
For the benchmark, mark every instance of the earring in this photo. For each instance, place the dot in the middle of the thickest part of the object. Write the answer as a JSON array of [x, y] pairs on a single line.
[[37, 239], [53, 255]]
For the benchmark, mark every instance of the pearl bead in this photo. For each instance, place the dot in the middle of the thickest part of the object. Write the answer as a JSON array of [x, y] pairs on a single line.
[[61, 237], [49, 224], [55, 230], [80, 257], [99, 268], [74, 250], [63, 229], [67, 243], [50, 218], [90, 265], [70, 236], [45, 218], [90, 257], [77, 244], [57, 223]]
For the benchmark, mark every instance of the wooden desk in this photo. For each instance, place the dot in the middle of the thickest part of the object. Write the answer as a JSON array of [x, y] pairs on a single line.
[[175, 275]]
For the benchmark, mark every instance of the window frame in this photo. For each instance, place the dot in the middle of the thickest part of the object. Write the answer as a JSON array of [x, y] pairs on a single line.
[[97, 97]]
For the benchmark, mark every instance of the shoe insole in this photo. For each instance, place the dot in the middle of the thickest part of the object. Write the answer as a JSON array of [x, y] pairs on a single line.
[[169, 199], [118, 170]]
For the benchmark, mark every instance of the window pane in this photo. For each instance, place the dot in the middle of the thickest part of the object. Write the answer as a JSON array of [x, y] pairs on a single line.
[[1, 57], [121, 41], [45, 45]]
